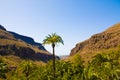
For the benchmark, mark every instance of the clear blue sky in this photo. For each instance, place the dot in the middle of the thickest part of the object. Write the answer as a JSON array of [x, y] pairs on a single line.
[[73, 20]]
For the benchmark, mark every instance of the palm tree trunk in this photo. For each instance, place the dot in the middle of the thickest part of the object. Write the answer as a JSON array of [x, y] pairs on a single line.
[[53, 46]]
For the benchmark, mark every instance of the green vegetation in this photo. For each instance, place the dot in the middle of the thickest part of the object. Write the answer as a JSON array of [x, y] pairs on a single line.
[[103, 66], [3, 68]]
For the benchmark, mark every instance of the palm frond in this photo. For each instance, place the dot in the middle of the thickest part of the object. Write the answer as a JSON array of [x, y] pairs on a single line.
[[53, 38]]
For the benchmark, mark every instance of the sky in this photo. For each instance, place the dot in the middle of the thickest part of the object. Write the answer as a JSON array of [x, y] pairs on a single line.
[[74, 20]]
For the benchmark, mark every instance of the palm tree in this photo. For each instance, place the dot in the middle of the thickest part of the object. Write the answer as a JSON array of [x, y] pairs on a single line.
[[53, 39]]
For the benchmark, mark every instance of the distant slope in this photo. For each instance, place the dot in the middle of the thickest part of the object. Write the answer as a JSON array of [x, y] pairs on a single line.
[[10, 45], [63, 57], [2, 28], [109, 39]]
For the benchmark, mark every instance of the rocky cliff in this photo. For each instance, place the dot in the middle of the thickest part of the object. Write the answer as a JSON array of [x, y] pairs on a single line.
[[110, 38]]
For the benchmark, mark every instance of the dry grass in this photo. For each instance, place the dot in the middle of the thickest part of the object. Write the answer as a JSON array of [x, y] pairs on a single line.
[[21, 44], [114, 28], [5, 35], [39, 63], [12, 60], [12, 42]]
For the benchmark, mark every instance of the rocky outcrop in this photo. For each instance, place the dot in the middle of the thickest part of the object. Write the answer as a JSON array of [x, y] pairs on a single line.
[[105, 40], [24, 53]]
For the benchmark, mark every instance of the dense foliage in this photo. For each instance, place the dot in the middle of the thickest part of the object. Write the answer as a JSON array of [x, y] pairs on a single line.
[[3, 68], [103, 66]]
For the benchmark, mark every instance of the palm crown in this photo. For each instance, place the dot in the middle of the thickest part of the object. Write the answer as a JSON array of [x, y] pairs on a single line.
[[53, 39]]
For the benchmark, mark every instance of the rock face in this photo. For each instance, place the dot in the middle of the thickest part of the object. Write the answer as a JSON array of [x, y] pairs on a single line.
[[110, 38], [25, 47], [24, 53]]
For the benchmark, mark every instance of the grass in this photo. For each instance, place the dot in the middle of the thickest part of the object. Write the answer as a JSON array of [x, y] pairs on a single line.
[[12, 42], [6, 35], [12, 60], [114, 28]]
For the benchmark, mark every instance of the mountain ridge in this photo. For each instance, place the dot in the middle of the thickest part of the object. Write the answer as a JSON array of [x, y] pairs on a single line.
[[27, 39], [12, 43], [1, 27], [110, 38]]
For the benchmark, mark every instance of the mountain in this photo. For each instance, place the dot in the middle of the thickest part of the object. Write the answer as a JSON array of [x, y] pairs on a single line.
[[27, 40], [106, 40], [24, 47], [63, 57]]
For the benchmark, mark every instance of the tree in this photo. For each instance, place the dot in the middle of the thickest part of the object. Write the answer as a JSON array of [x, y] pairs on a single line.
[[27, 70], [104, 66], [53, 39], [3, 68]]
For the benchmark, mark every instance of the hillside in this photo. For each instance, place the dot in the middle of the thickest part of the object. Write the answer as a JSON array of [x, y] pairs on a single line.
[[17, 45], [109, 39], [28, 40]]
